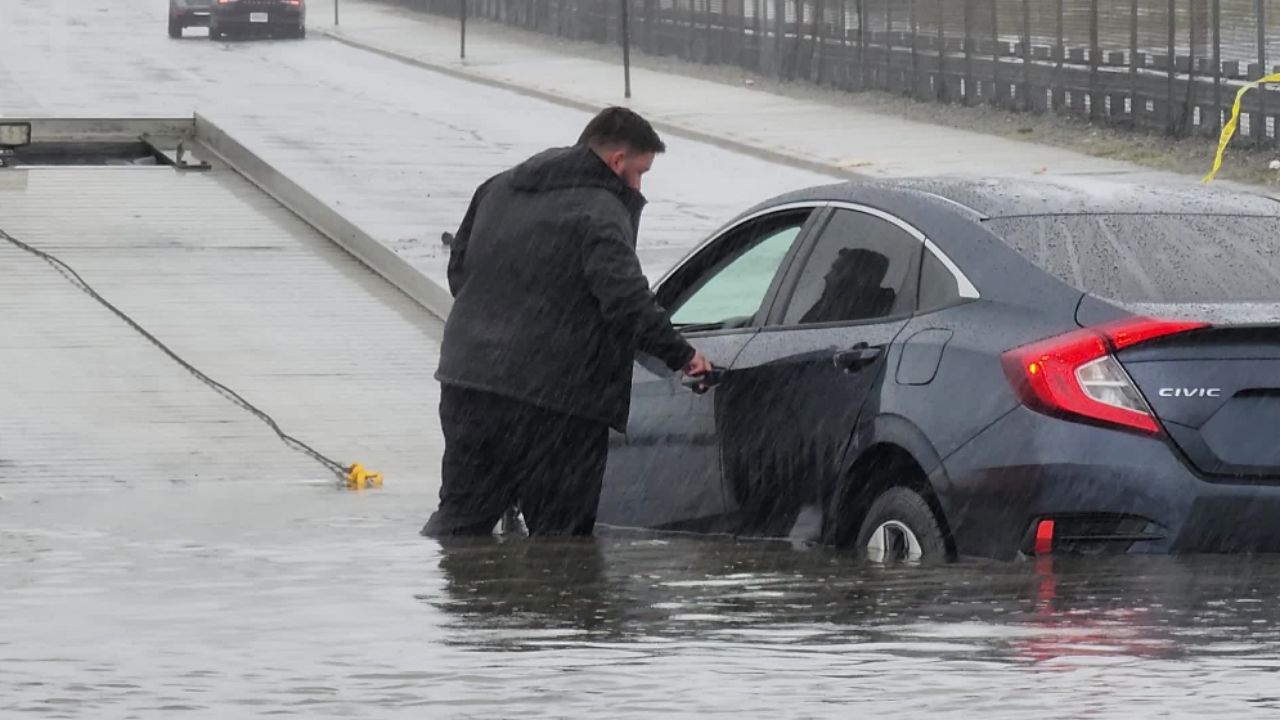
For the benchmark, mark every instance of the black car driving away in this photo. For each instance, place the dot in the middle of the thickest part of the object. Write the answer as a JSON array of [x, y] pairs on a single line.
[[277, 18], [925, 370]]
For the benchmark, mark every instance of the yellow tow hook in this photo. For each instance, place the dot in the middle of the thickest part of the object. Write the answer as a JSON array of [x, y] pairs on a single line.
[[358, 478]]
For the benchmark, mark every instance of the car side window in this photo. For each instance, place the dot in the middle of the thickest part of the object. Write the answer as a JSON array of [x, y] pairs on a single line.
[[729, 282], [939, 287], [862, 268]]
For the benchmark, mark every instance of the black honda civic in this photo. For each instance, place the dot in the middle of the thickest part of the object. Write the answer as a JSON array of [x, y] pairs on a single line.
[[933, 369]]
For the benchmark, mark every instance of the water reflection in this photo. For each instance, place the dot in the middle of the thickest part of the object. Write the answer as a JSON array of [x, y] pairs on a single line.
[[299, 616], [1059, 627], [528, 594], [532, 585]]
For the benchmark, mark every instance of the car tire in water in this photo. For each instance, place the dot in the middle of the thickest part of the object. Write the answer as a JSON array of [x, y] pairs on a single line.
[[175, 28], [900, 527]]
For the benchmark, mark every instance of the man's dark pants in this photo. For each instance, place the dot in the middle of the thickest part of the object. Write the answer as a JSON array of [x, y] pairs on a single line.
[[500, 452]]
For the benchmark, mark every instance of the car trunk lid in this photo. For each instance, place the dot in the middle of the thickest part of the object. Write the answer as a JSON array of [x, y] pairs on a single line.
[[1215, 390]]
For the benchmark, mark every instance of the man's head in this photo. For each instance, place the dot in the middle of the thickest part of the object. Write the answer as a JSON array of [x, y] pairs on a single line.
[[625, 141]]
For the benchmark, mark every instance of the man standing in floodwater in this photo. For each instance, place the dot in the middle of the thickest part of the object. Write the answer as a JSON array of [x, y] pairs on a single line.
[[550, 307]]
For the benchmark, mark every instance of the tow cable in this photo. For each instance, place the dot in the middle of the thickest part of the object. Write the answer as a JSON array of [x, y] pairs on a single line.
[[351, 477]]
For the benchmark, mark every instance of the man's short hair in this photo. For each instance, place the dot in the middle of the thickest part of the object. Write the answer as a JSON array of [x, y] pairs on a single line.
[[618, 126]]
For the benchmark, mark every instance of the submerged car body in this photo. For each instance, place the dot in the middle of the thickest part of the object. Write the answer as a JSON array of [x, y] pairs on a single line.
[[999, 368]]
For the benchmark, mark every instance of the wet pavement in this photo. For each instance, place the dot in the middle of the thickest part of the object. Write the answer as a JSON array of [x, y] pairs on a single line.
[[232, 283], [244, 592], [821, 131], [397, 149]]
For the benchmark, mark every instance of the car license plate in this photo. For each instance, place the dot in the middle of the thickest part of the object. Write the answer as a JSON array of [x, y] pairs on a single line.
[[259, 17]]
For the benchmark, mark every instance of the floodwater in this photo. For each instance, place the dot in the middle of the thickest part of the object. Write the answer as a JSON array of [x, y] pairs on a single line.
[[237, 600]]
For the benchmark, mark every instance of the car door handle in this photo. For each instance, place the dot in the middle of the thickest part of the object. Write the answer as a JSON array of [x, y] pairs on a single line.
[[702, 383], [857, 357]]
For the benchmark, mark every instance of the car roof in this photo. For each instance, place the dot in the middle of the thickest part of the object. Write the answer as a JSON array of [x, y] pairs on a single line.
[[1059, 195]]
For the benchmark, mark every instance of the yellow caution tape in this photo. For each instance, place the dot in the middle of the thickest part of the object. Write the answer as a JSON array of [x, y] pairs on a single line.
[[1229, 129], [358, 478]]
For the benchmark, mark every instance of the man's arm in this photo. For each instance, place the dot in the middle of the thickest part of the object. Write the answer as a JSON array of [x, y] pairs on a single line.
[[614, 276], [458, 248]]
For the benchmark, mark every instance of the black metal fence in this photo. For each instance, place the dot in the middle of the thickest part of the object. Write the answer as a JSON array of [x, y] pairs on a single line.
[[1167, 65]]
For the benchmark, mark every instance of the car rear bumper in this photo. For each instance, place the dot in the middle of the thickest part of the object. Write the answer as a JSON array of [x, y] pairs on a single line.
[[1111, 491], [239, 15], [192, 17]]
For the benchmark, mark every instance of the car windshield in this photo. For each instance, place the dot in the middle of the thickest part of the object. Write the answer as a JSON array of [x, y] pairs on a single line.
[[1148, 258]]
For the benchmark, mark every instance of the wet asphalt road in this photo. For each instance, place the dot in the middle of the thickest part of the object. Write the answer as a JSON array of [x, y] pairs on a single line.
[[248, 596], [397, 149]]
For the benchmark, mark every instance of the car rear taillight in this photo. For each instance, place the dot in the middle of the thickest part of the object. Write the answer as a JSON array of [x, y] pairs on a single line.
[[1044, 537], [1077, 376]]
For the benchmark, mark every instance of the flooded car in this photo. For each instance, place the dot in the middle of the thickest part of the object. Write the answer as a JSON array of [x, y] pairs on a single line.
[[924, 370]]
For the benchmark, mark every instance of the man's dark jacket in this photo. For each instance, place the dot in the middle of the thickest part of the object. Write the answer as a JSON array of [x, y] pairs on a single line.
[[550, 303]]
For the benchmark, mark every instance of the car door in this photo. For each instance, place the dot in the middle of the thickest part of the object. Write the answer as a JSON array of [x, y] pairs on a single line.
[[800, 382], [665, 472]]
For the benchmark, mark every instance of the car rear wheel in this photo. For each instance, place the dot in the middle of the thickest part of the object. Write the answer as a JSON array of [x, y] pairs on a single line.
[[900, 528], [175, 28]]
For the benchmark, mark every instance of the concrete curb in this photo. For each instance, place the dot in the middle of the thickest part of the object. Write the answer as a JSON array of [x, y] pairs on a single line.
[[364, 247], [677, 129], [93, 129]]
